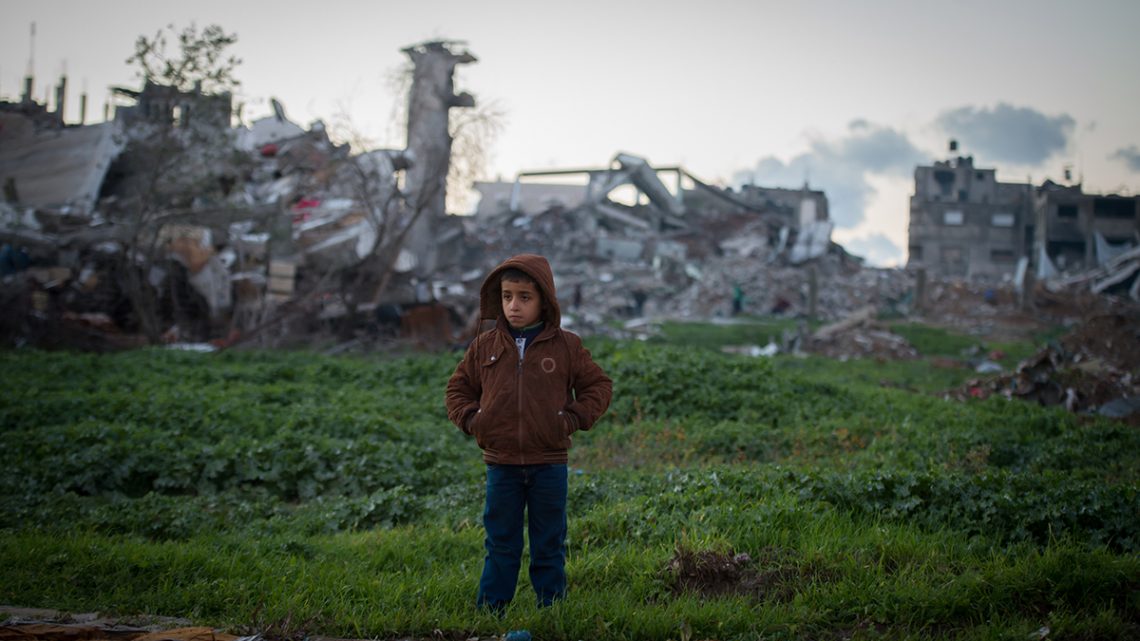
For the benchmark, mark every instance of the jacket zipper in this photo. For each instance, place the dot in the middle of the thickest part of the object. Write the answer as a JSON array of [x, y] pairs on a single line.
[[518, 396]]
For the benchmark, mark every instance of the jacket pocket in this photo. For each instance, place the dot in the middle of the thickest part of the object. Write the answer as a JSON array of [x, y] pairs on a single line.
[[473, 427], [487, 422], [555, 434]]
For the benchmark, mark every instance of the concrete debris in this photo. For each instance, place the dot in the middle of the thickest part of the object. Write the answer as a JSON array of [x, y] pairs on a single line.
[[55, 172], [296, 239], [771, 349], [291, 223], [1116, 276], [860, 335], [988, 367], [1093, 369]]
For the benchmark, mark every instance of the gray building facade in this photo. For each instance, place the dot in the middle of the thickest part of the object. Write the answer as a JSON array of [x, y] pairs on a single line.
[[1068, 222], [965, 223]]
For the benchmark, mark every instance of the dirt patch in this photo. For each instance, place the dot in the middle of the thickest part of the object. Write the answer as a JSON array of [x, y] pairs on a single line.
[[775, 574], [1112, 338], [992, 312]]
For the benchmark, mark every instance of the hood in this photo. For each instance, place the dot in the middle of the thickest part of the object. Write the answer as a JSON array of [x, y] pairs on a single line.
[[536, 266]]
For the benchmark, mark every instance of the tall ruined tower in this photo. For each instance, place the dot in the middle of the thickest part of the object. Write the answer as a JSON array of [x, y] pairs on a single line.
[[429, 141]]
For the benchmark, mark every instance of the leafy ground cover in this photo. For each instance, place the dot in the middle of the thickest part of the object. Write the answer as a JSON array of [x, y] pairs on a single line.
[[944, 363], [721, 497]]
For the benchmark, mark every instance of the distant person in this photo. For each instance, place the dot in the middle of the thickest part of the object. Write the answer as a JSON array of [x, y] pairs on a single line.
[[781, 305], [521, 390], [737, 300], [639, 298]]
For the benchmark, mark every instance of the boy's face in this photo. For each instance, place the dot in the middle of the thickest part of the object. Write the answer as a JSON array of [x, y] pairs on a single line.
[[522, 304]]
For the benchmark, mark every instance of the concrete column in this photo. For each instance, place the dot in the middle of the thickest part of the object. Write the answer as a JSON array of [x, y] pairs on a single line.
[[1027, 287], [813, 293], [920, 290], [60, 97], [429, 142]]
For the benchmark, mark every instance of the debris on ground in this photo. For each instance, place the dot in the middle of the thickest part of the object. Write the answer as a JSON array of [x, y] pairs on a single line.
[[297, 239], [860, 336], [1095, 368]]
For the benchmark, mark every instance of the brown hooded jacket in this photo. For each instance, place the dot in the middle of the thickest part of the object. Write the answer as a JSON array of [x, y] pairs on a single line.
[[523, 411]]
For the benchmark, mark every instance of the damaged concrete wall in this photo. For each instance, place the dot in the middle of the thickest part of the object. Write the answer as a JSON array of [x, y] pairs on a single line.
[[54, 168], [965, 223], [429, 141], [1069, 222]]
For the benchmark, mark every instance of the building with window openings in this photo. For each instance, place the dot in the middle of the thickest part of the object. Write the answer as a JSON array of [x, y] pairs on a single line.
[[965, 223], [1076, 230]]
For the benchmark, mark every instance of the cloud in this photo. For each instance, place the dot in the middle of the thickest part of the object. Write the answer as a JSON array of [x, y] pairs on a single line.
[[1130, 156], [1006, 133], [876, 248], [839, 167]]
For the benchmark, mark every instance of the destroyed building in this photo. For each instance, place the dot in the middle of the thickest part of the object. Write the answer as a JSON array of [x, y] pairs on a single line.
[[431, 238], [278, 217], [295, 236], [633, 239], [965, 223], [1076, 230], [169, 106], [631, 206]]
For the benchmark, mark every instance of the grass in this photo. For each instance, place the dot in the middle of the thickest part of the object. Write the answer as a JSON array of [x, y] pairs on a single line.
[[740, 330], [328, 496], [945, 357], [828, 574]]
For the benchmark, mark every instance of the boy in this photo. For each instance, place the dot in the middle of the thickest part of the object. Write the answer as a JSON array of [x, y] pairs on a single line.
[[521, 390]]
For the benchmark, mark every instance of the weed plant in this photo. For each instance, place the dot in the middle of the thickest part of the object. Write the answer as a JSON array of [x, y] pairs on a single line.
[[720, 497]]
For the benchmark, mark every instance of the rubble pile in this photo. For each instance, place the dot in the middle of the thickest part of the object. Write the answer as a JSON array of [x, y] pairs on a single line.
[[860, 336], [305, 222], [282, 236], [1094, 368], [67, 270], [1113, 339], [133, 229], [616, 272], [1119, 275], [994, 310]]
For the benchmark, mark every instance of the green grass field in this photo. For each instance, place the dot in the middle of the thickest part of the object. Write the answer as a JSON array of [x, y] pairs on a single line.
[[722, 497]]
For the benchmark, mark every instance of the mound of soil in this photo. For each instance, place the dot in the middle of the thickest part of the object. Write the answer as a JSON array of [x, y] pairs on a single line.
[[1111, 338], [1094, 368], [777, 574]]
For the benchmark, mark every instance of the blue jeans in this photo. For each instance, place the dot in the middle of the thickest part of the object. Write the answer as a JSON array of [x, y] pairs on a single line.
[[541, 491]]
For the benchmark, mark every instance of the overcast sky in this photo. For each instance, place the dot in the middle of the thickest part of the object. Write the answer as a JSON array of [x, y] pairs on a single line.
[[846, 95]]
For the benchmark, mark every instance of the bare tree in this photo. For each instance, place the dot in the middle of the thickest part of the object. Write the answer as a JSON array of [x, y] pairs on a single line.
[[396, 209], [402, 192], [473, 133], [179, 158], [200, 63]]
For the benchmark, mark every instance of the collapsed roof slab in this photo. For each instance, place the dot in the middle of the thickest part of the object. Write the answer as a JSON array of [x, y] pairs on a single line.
[[60, 167]]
